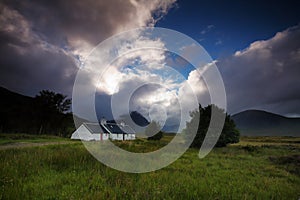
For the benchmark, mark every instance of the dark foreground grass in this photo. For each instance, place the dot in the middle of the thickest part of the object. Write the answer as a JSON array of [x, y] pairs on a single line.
[[70, 172], [11, 138]]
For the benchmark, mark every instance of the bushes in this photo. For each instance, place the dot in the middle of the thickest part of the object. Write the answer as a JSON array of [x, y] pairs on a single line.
[[250, 148], [229, 132], [153, 131]]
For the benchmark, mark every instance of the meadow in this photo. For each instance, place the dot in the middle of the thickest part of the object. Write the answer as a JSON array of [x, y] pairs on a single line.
[[255, 168], [28, 138]]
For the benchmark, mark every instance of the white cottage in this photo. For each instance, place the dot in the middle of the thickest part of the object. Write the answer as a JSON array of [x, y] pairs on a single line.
[[103, 131]]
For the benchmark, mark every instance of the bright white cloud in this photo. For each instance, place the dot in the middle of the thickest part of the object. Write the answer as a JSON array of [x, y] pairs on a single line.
[[109, 81], [149, 52], [173, 93]]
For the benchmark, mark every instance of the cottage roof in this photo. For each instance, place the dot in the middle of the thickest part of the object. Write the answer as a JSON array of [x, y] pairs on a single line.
[[111, 127], [94, 128]]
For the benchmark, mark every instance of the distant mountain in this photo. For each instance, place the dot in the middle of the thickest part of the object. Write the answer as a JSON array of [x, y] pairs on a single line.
[[262, 123], [139, 119], [8, 98], [170, 128], [141, 123], [135, 120]]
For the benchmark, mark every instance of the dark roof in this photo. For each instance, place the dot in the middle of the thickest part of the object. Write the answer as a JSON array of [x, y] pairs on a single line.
[[112, 127], [127, 129], [94, 128]]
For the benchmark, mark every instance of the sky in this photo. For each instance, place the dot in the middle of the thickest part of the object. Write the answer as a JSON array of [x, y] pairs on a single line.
[[224, 27], [254, 44]]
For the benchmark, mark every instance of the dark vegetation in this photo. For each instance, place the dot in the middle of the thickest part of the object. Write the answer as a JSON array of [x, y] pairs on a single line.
[[12, 138], [229, 132], [291, 163], [46, 113], [153, 131]]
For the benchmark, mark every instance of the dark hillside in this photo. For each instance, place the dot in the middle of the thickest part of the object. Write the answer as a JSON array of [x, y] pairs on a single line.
[[262, 123], [23, 114]]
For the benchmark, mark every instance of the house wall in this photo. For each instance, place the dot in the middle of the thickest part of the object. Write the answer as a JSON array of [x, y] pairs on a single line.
[[105, 136], [116, 136], [130, 137], [95, 136], [120, 136], [82, 133]]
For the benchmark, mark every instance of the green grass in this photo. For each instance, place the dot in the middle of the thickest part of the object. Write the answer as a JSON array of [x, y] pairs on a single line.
[[267, 140], [10, 138], [235, 172]]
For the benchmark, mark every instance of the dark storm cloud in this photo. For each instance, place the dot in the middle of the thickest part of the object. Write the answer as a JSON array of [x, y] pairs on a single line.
[[42, 41], [36, 69], [91, 20], [60, 20], [265, 75], [29, 64]]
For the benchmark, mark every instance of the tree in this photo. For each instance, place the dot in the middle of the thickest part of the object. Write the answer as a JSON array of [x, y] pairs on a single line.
[[52, 110], [229, 132], [153, 131], [55, 102]]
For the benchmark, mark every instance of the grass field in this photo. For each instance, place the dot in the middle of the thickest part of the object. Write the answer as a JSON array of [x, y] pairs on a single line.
[[18, 138], [257, 168]]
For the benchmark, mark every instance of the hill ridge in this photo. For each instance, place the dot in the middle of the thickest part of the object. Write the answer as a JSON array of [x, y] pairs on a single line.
[[263, 123]]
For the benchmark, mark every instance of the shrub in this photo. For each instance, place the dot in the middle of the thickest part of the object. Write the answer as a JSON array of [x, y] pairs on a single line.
[[153, 131], [229, 132]]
